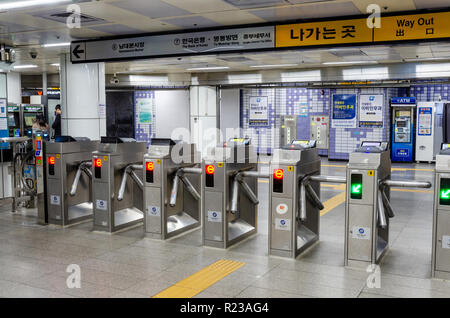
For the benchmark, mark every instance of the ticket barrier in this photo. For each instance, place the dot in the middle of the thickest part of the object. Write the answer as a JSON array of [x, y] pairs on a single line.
[[172, 207], [118, 200], [441, 216], [69, 178], [294, 201], [368, 208], [229, 192]]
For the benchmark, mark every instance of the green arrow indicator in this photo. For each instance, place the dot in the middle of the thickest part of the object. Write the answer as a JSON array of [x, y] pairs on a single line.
[[357, 188], [445, 194]]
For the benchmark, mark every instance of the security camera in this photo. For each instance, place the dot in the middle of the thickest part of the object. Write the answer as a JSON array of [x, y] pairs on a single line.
[[33, 55], [114, 80]]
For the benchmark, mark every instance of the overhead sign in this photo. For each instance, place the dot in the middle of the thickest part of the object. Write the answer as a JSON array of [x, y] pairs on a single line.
[[344, 111], [259, 111], [323, 33], [371, 110], [414, 27], [174, 44], [309, 34]]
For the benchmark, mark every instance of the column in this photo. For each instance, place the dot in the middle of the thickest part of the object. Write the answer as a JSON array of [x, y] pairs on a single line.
[[14, 88], [204, 117], [82, 99]]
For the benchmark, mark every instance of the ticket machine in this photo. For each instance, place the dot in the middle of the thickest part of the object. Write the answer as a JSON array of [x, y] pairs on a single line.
[[403, 134]]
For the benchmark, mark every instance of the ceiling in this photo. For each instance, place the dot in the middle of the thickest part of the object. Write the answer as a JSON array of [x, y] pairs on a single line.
[[28, 28]]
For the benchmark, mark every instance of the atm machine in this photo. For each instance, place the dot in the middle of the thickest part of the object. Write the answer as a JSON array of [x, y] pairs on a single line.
[[288, 129], [115, 159], [429, 130], [440, 262], [403, 134], [294, 200], [14, 121], [367, 207], [69, 178], [172, 207], [229, 193]]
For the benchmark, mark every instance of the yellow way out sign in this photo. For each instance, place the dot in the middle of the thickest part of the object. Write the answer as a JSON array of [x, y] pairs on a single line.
[[414, 27], [356, 31], [323, 33]]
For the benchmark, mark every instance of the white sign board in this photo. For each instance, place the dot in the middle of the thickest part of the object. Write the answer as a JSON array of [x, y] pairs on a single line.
[[174, 44], [258, 110], [371, 109]]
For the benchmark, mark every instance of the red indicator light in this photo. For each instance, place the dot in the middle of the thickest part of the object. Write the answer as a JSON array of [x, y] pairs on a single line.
[[209, 169], [278, 174], [149, 166], [98, 162], [51, 160]]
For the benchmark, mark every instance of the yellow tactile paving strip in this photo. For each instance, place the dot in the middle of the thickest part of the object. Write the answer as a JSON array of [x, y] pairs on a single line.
[[198, 282], [333, 203]]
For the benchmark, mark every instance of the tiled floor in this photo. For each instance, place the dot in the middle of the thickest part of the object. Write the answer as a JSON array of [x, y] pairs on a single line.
[[33, 259]]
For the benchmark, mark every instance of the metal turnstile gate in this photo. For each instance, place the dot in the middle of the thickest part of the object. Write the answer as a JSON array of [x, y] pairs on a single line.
[[117, 200], [172, 207], [294, 200], [69, 180]]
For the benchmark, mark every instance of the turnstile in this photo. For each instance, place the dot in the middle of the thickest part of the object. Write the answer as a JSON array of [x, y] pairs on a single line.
[[172, 207], [117, 200], [294, 200], [229, 192], [441, 216], [367, 208], [69, 179]]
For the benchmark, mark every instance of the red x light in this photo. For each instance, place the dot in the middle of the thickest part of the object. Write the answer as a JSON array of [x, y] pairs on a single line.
[[149, 166], [278, 174], [98, 162], [209, 169], [51, 160]]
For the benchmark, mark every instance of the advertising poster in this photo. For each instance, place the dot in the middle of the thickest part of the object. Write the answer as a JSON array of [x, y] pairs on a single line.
[[343, 111], [259, 111], [371, 110], [145, 110], [425, 121]]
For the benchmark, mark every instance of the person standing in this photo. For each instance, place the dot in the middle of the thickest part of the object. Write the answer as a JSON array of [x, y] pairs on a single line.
[[57, 123]]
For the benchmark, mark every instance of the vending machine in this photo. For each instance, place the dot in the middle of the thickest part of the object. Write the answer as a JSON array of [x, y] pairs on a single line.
[[429, 130], [402, 140]]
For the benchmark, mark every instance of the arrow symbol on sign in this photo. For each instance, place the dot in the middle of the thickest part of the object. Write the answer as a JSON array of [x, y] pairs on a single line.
[[445, 194], [76, 51], [356, 188]]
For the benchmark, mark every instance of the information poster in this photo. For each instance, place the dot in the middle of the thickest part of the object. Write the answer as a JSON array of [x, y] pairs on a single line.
[[304, 110], [343, 111], [3, 107], [371, 110], [425, 121], [259, 111], [145, 110]]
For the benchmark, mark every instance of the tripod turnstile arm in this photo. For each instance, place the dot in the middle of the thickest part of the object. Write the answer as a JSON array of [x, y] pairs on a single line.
[[331, 179], [380, 209], [82, 167], [407, 184], [129, 170], [180, 174], [238, 180]]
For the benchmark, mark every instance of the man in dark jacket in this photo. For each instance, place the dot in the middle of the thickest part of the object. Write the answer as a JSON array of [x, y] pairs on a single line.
[[57, 123]]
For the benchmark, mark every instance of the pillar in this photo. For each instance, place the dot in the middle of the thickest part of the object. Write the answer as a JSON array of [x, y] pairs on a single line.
[[82, 99]]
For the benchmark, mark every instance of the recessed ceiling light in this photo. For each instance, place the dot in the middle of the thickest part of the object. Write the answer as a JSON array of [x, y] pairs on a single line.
[[212, 68], [25, 66], [56, 44], [27, 3], [350, 62], [272, 65]]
